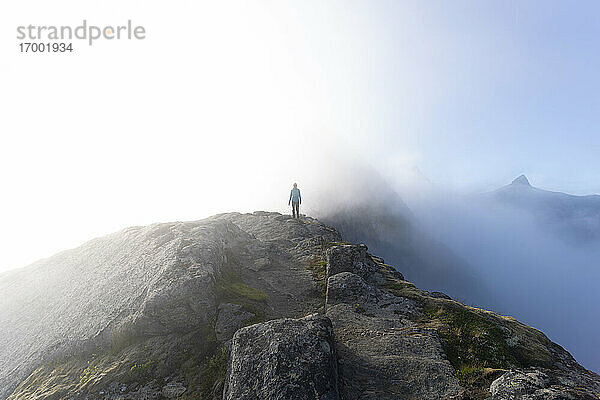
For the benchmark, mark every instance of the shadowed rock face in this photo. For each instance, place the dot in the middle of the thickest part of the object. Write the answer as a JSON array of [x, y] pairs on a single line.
[[287, 359], [150, 312], [231, 318]]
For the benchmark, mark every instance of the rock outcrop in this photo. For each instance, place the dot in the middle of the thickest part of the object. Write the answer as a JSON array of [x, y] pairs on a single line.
[[538, 384], [218, 309], [286, 359], [382, 353], [355, 259]]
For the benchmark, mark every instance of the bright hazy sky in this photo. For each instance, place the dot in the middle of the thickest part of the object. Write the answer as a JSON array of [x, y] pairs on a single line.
[[225, 104]]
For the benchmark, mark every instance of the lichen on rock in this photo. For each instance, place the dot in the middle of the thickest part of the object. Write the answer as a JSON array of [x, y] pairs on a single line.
[[286, 359]]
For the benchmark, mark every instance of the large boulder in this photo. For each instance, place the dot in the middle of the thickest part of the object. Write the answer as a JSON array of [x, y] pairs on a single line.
[[286, 359]]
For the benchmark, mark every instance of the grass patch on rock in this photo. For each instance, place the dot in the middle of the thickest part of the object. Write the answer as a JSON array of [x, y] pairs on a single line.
[[131, 364], [141, 371], [318, 264], [88, 373], [231, 288], [471, 338], [406, 289], [318, 268], [213, 376], [468, 374], [206, 374], [479, 344], [236, 290]]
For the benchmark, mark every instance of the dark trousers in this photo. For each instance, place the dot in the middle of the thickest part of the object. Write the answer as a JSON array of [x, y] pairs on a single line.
[[295, 209]]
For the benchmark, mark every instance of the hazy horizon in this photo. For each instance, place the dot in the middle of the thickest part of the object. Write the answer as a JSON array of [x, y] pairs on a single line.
[[311, 204], [224, 106]]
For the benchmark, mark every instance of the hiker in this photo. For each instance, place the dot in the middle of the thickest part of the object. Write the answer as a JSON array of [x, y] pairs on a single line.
[[295, 200]]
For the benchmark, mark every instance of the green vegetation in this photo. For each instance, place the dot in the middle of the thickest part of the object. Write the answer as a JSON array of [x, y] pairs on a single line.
[[215, 371], [87, 373], [332, 244], [141, 371], [471, 338], [238, 290], [468, 374], [205, 369], [476, 342], [406, 289], [318, 267], [231, 288], [318, 264], [195, 361], [203, 373], [359, 308], [139, 361]]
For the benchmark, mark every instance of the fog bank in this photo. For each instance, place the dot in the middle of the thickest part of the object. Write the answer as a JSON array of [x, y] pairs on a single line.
[[530, 273]]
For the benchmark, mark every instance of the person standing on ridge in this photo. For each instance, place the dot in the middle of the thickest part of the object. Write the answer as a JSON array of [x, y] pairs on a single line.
[[295, 200]]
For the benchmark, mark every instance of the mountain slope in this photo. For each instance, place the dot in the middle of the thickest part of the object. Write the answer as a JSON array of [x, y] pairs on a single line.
[[160, 281], [574, 218], [159, 312]]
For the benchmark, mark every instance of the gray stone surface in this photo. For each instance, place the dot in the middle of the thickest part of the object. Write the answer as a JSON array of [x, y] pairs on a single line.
[[355, 259], [538, 384], [173, 390], [231, 317], [154, 280], [382, 354], [439, 295], [287, 359]]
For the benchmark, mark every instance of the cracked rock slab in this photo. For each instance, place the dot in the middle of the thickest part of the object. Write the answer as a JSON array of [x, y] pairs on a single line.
[[382, 354]]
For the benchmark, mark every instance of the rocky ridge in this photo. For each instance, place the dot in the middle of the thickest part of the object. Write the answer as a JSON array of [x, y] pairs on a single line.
[[258, 306]]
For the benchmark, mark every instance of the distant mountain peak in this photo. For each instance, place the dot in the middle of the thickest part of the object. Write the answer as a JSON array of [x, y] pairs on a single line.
[[521, 180]]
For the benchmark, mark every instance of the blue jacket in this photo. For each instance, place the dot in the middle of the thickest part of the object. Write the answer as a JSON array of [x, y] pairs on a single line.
[[295, 196]]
